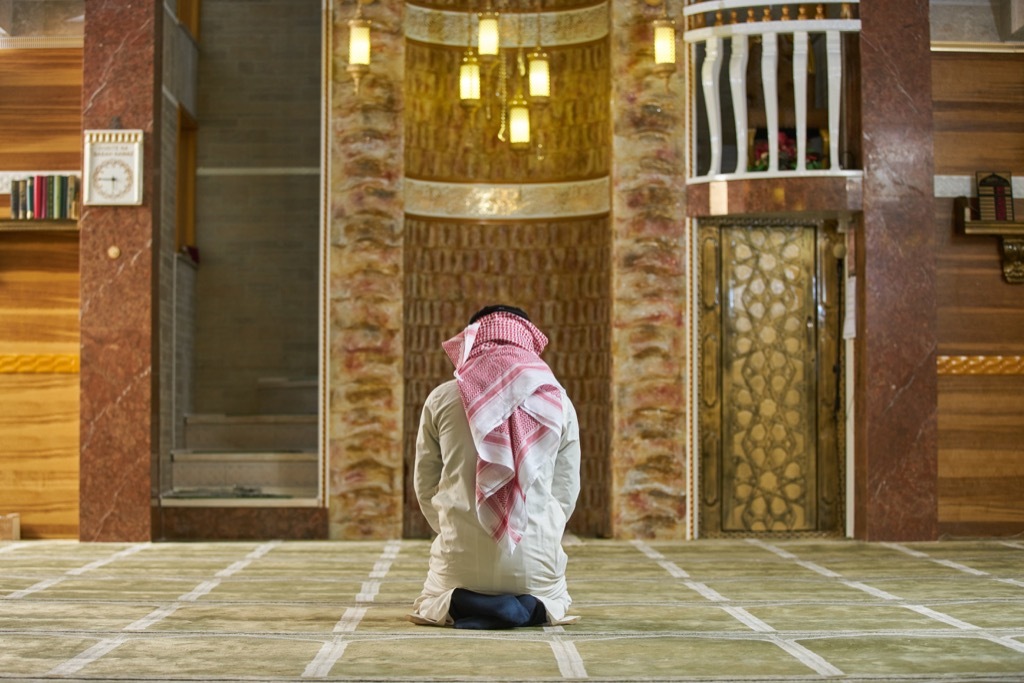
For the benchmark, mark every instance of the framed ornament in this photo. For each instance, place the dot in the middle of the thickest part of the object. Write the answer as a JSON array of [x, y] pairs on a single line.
[[113, 168]]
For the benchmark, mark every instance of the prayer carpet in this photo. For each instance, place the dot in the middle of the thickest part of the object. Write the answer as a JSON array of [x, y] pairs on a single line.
[[730, 610]]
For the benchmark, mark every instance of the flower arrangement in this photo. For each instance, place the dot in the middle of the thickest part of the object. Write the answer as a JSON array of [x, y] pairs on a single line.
[[787, 155]]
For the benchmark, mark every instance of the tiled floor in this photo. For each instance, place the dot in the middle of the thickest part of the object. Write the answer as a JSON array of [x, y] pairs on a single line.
[[775, 610]]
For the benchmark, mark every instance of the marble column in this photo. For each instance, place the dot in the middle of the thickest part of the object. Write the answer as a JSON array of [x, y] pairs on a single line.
[[895, 495], [365, 281], [648, 447], [119, 402]]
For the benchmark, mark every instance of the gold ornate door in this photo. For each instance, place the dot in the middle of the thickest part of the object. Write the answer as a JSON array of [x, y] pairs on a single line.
[[771, 408]]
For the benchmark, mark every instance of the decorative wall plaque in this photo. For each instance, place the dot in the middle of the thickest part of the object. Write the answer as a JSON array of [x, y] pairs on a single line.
[[995, 196]]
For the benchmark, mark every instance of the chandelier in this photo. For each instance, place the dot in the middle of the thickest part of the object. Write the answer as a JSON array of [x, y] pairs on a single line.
[[499, 66]]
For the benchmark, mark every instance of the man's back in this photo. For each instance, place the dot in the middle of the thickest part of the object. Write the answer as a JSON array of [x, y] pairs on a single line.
[[464, 555]]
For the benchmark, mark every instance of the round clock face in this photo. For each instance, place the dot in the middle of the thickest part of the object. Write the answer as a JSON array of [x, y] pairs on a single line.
[[112, 179]]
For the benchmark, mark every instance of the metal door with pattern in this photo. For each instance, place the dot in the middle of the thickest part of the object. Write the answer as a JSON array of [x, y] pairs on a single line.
[[771, 409]]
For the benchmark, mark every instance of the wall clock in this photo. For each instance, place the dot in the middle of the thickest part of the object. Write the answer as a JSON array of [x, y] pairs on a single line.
[[113, 168]]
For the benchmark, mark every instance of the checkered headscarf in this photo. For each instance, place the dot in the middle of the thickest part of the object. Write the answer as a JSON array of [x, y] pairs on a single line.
[[514, 406]]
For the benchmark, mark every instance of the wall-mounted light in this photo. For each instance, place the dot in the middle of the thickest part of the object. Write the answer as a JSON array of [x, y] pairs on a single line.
[[664, 45], [358, 46]]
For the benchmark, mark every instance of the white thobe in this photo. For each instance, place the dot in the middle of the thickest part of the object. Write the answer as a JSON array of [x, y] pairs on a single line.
[[463, 554]]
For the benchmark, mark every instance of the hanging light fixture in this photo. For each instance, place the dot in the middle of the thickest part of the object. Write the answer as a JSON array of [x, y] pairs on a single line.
[[469, 80], [358, 46], [469, 72], [518, 111], [494, 71], [540, 71], [488, 38], [518, 123]]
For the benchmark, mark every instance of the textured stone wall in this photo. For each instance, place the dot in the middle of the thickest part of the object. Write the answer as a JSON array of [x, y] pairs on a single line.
[[365, 282], [648, 286], [447, 142], [635, 276], [559, 272]]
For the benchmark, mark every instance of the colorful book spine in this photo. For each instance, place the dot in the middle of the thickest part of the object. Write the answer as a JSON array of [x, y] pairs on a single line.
[[15, 201], [46, 197]]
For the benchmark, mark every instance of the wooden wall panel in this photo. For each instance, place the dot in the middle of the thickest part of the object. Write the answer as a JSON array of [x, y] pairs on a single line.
[[978, 112], [39, 292], [981, 455], [39, 453], [41, 110], [979, 312], [39, 304]]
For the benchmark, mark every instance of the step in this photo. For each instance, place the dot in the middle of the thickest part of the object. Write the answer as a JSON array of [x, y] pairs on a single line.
[[258, 433], [288, 396], [245, 473]]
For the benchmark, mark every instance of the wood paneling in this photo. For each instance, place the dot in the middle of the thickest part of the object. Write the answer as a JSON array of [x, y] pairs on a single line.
[[39, 292], [41, 110], [978, 112], [981, 455], [39, 304], [979, 125], [979, 313], [39, 453]]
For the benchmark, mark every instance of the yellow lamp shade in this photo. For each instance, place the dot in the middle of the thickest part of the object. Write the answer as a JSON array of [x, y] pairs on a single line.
[[359, 42], [469, 79], [487, 35], [518, 124], [664, 42], [540, 76]]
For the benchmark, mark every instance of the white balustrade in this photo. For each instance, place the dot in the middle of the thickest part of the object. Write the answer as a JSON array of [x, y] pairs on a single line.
[[736, 25]]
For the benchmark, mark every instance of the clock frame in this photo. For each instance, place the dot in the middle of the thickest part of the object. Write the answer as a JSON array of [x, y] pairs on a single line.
[[113, 168]]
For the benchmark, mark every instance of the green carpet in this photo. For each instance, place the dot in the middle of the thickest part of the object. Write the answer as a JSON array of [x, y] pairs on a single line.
[[738, 610]]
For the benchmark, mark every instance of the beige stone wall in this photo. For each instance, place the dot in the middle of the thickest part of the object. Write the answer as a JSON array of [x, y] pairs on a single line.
[[642, 491], [648, 285], [365, 282]]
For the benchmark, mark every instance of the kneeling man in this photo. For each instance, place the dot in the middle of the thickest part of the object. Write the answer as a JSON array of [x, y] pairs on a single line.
[[497, 476]]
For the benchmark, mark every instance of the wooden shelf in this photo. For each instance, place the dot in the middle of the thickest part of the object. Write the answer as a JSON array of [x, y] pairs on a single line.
[[971, 226], [1010, 234], [8, 225]]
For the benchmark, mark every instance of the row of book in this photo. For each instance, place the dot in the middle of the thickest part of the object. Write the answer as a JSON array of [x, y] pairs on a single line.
[[46, 197]]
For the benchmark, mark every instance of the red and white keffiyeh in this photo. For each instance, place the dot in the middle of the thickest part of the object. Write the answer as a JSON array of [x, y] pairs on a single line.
[[514, 406]]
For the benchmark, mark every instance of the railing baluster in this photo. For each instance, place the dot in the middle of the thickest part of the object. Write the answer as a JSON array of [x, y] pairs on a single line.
[[765, 20], [769, 66], [833, 50], [709, 78], [800, 96], [738, 81]]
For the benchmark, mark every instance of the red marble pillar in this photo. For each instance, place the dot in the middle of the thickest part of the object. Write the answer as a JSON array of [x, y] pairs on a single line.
[[120, 89], [895, 494]]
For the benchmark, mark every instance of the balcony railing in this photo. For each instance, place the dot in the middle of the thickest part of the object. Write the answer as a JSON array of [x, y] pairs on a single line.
[[733, 25]]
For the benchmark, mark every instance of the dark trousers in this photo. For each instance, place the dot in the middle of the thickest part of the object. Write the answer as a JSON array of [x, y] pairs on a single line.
[[475, 610]]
